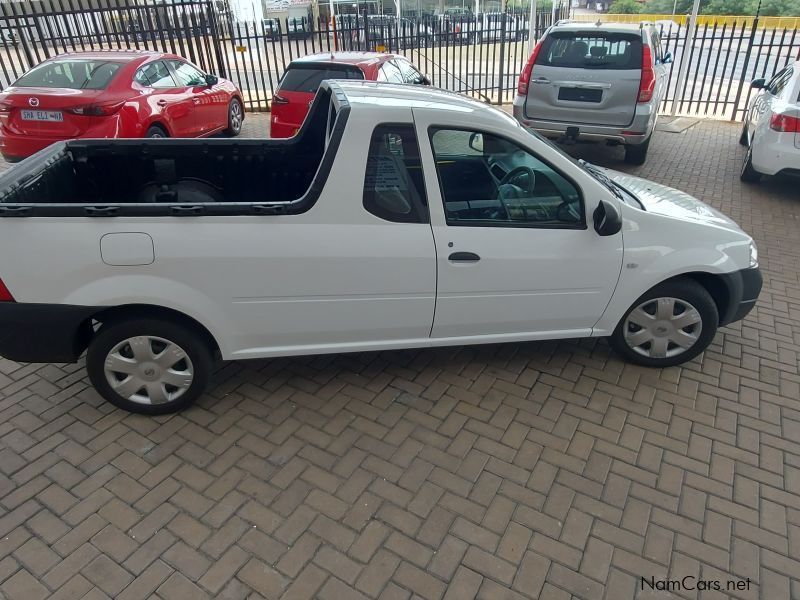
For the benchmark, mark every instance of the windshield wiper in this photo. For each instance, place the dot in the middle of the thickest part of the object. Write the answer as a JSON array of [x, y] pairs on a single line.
[[617, 189], [601, 177]]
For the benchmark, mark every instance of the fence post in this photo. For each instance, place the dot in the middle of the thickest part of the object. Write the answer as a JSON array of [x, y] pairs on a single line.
[[746, 64], [501, 67], [216, 39], [685, 58]]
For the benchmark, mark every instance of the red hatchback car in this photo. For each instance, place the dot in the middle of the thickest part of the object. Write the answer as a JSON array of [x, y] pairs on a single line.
[[302, 78], [114, 94]]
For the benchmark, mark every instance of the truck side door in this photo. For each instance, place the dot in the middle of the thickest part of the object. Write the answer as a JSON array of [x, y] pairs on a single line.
[[516, 256], [357, 270]]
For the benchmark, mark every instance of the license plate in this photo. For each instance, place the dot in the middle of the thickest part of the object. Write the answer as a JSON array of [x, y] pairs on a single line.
[[580, 95], [55, 116]]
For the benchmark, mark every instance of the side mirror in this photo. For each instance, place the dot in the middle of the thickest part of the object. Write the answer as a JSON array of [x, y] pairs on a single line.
[[667, 58], [607, 220], [211, 80], [476, 142], [424, 80], [759, 84]]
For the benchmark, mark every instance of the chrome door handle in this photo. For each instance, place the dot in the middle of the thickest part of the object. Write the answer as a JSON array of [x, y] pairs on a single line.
[[540, 80]]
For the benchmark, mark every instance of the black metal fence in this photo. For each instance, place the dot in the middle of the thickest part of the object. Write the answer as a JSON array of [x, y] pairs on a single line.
[[480, 55], [723, 60]]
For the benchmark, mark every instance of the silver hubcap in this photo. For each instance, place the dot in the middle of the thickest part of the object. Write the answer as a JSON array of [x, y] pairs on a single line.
[[149, 370], [663, 327], [236, 116]]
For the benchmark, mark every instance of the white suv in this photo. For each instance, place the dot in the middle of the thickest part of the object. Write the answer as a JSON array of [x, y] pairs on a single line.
[[771, 129]]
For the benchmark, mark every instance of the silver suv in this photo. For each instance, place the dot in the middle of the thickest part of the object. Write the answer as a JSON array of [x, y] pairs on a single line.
[[598, 82]]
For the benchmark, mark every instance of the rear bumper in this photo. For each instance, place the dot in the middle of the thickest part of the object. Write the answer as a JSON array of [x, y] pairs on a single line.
[[281, 129], [775, 153], [637, 132], [15, 147], [743, 289], [44, 332]]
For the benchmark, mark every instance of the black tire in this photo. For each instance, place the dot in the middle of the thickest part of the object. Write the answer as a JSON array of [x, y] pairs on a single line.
[[748, 173], [682, 291], [637, 155], [113, 334], [235, 118], [743, 138], [155, 132]]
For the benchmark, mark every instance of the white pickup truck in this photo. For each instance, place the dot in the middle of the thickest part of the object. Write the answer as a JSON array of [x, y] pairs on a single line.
[[397, 217]]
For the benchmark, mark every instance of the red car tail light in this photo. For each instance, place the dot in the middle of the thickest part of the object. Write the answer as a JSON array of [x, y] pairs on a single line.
[[647, 85], [96, 110], [525, 76], [5, 107], [5, 295], [785, 123]]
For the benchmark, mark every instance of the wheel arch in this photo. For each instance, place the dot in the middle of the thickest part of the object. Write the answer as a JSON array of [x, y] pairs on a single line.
[[160, 124], [117, 314], [718, 286]]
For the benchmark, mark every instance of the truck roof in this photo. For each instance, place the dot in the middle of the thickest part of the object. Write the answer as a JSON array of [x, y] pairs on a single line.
[[372, 96]]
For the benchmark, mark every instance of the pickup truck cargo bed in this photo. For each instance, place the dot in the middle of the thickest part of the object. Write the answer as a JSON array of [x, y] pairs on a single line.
[[171, 176]]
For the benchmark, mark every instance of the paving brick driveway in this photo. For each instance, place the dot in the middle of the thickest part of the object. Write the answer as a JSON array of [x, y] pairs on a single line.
[[540, 470]]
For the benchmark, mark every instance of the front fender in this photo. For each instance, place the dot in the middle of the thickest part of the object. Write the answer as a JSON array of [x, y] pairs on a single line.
[[658, 248]]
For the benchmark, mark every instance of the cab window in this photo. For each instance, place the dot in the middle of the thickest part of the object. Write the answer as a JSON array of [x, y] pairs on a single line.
[[490, 181], [393, 185]]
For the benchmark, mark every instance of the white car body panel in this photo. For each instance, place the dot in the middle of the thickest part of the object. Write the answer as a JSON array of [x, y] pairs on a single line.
[[336, 278], [775, 151]]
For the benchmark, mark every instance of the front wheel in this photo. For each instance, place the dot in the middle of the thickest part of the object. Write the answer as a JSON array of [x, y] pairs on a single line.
[[149, 366], [667, 326], [235, 118]]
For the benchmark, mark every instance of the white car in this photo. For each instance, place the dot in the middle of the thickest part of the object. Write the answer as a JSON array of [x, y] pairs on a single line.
[[397, 217], [771, 128]]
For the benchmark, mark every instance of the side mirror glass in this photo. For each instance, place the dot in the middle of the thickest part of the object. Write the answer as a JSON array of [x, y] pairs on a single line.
[[758, 84], [425, 80], [667, 58], [607, 220], [476, 142], [211, 80]]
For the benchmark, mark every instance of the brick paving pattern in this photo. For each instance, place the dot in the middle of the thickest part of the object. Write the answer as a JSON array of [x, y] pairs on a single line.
[[549, 470]]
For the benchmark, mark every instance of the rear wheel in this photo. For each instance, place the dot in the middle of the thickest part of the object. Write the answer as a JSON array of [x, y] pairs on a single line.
[[749, 174], [149, 366], [235, 118], [636, 155], [155, 132], [669, 325]]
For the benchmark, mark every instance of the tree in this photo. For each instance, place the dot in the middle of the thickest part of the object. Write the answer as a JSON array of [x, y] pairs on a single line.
[[728, 7], [664, 7], [625, 7]]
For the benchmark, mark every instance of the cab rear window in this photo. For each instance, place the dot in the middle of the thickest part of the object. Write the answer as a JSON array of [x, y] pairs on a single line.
[[591, 50], [308, 78], [71, 74]]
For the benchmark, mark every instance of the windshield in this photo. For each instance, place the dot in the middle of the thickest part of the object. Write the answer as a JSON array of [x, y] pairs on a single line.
[[71, 74], [598, 173]]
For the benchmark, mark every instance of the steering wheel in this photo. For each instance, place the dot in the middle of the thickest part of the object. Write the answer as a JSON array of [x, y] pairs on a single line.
[[516, 172]]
